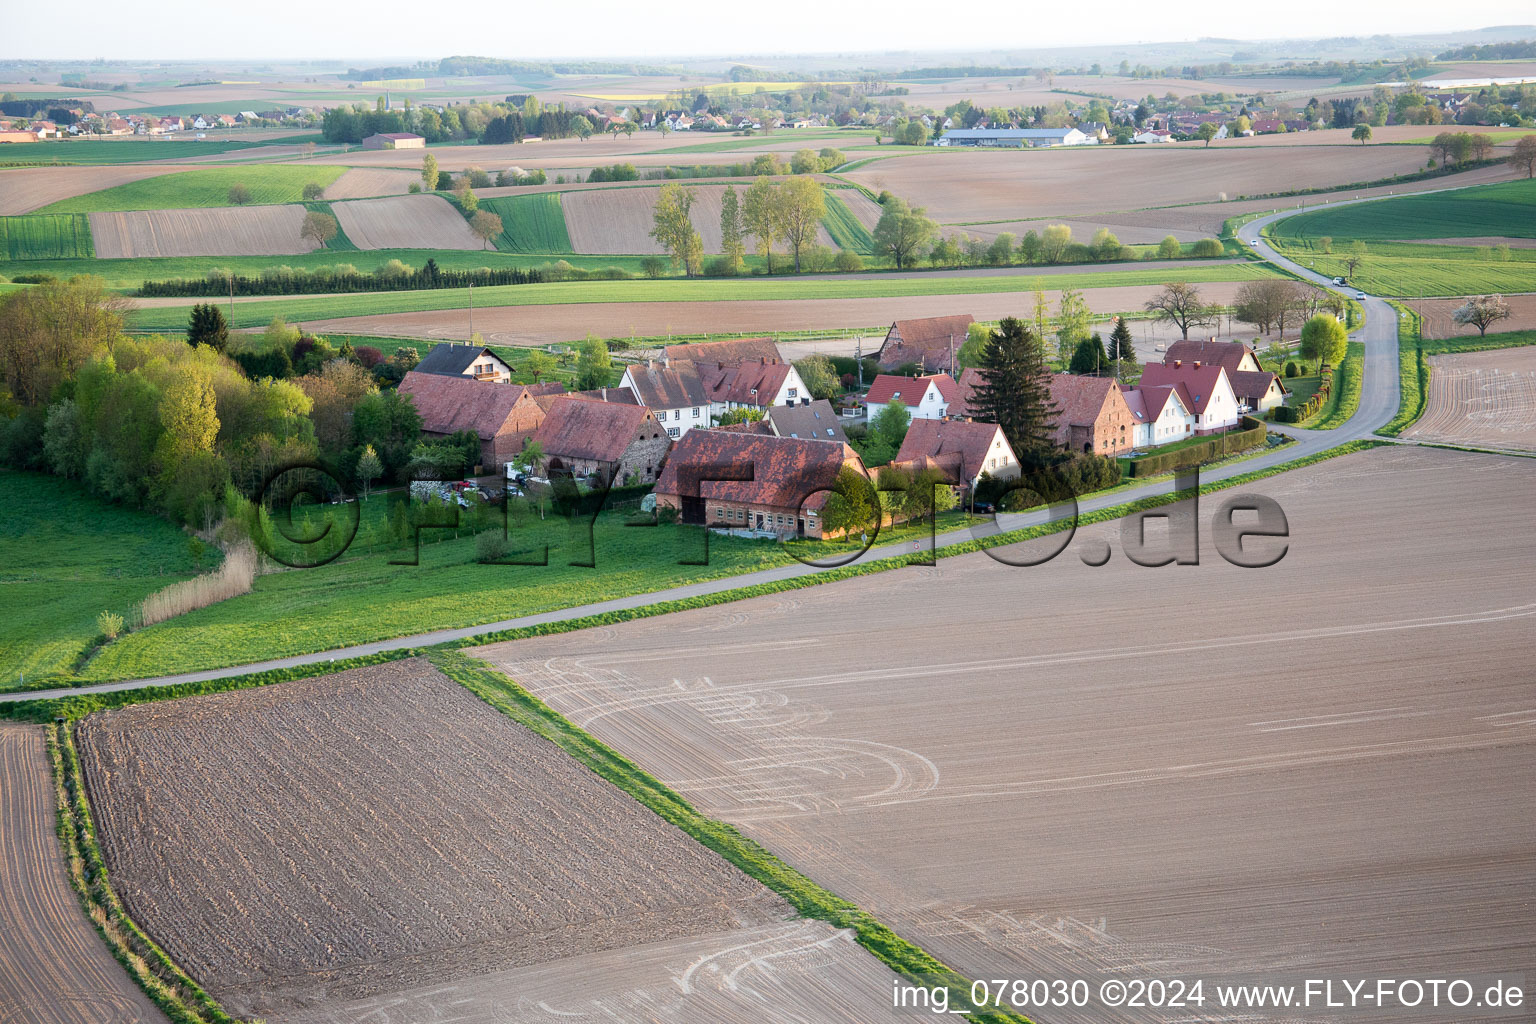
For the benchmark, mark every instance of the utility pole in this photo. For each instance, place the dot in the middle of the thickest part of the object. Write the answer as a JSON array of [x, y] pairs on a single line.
[[858, 358], [471, 313]]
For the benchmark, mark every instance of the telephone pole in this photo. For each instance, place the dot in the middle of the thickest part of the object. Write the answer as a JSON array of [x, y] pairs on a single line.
[[471, 313]]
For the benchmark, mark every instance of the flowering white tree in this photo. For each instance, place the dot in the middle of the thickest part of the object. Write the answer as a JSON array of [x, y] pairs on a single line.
[[1482, 312]]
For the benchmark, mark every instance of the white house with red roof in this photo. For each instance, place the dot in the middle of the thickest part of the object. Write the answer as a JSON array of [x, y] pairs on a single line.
[[1207, 387], [1162, 414], [926, 398]]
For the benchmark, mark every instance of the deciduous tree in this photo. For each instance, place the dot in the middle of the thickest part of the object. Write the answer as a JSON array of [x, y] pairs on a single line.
[[1324, 340], [674, 230], [1482, 312], [802, 205], [760, 215], [429, 172], [486, 226], [318, 227], [731, 244], [904, 233], [1524, 155], [1180, 304]]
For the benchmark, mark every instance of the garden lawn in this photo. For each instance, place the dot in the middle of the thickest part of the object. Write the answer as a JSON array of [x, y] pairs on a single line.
[[209, 186], [68, 556], [361, 597], [255, 314], [46, 236]]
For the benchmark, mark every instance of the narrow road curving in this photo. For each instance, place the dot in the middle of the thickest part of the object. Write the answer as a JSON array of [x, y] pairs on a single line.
[[1378, 404]]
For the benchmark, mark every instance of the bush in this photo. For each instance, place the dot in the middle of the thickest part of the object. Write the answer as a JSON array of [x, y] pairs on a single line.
[[1206, 248], [414, 187], [1291, 370], [314, 190], [110, 624], [491, 546], [653, 266], [849, 262], [719, 266]]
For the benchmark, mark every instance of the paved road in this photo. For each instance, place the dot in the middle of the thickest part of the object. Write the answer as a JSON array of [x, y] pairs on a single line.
[[1378, 404]]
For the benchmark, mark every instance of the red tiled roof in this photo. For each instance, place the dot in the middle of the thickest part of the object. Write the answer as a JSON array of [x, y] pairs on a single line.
[[889, 387], [1080, 399], [668, 387], [785, 470], [753, 383], [1220, 353], [450, 404], [969, 378], [623, 396], [1199, 382], [938, 438], [728, 352], [1252, 385], [578, 428], [925, 341]]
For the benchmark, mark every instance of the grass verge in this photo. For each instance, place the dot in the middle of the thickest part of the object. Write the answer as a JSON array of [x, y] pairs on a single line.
[[1344, 398]]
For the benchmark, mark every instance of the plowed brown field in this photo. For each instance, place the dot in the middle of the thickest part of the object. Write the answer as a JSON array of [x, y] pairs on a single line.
[[1062, 771], [405, 222], [54, 968], [367, 182], [1068, 182], [1437, 322], [619, 220], [211, 231], [1481, 398], [382, 830], [537, 325], [24, 189]]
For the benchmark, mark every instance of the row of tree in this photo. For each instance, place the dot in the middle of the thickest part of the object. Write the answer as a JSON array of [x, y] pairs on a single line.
[[768, 212]]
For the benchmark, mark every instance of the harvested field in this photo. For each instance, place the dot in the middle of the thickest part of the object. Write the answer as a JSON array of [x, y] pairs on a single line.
[[1476, 240], [1481, 398], [405, 222], [367, 182], [619, 221], [54, 968], [1073, 182], [381, 830], [24, 189], [204, 231], [1437, 323], [1328, 786], [538, 325]]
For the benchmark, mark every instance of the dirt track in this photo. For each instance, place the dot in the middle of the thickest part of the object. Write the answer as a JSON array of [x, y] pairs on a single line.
[[1319, 766], [538, 325], [54, 968], [1481, 399], [380, 830]]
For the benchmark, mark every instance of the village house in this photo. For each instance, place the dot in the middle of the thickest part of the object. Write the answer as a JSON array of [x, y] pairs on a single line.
[[395, 140], [728, 352], [1092, 415], [753, 385], [816, 421], [1210, 394], [1153, 135], [1256, 388], [931, 343], [1162, 414], [790, 481], [926, 398], [503, 416], [675, 394], [963, 449], [607, 441], [466, 361]]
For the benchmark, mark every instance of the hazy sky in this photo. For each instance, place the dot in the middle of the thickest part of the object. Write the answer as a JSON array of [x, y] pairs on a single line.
[[191, 29]]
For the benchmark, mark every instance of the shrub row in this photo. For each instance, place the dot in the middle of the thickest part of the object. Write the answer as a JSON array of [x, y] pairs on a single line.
[[1299, 413], [306, 282], [1251, 436]]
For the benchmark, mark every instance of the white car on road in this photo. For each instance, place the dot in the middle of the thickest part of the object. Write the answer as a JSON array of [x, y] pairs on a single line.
[[1359, 295]]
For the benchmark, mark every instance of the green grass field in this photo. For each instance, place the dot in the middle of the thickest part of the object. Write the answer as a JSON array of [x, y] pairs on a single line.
[[361, 597], [67, 557], [46, 236], [255, 314], [846, 230], [530, 224], [120, 151], [209, 186], [1394, 265], [1505, 208]]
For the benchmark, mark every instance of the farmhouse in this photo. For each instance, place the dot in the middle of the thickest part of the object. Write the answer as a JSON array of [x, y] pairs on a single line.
[[1153, 135], [816, 421], [964, 449], [503, 416], [1162, 414], [675, 394], [1256, 388], [931, 342], [926, 398], [1016, 138], [611, 442], [753, 385], [395, 140], [453, 360], [730, 352], [1093, 416], [790, 481], [1211, 397]]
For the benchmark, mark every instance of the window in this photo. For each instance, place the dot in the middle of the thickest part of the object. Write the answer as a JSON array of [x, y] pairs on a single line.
[[791, 392], [671, 431], [695, 412], [719, 513]]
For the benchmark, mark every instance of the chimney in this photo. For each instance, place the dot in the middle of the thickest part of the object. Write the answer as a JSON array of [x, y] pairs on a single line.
[[1197, 364], [605, 394], [1178, 363]]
